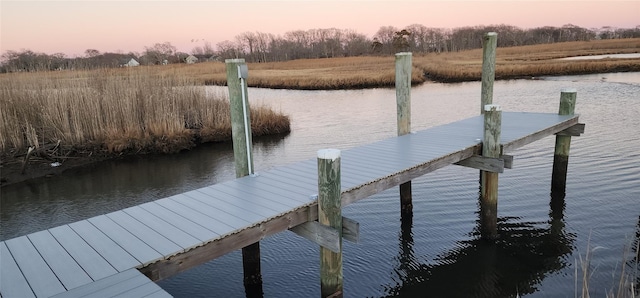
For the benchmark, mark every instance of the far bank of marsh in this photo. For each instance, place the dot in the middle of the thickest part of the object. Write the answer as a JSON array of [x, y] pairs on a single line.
[[379, 71]]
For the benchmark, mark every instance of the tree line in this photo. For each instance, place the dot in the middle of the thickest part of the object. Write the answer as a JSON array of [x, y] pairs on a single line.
[[319, 43]]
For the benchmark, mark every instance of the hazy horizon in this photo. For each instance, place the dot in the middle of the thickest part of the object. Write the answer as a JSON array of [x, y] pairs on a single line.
[[71, 27]]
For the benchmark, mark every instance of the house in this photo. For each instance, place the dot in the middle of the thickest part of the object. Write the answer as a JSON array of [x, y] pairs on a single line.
[[130, 62], [191, 59]]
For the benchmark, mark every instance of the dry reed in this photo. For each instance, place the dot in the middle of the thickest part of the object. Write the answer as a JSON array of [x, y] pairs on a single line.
[[627, 274], [116, 111], [377, 71]]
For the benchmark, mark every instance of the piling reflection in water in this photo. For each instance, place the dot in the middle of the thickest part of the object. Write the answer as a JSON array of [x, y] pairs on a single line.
[[522, 256]]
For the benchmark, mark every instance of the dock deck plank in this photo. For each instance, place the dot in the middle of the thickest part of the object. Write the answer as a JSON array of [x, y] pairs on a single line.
[[63, 265], [12, 282], [152, 238], [40, 277], [119, 258], [180, 222], [89, 259], [159, 225], [129, 283]]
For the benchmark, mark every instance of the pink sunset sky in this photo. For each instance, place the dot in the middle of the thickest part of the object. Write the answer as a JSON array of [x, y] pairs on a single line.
[[71, 27]]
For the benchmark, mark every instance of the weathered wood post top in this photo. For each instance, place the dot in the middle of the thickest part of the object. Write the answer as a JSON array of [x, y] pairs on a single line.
[[489, 44]]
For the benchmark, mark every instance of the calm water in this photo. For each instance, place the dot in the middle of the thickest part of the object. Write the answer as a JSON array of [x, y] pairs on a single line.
[[439, 253]]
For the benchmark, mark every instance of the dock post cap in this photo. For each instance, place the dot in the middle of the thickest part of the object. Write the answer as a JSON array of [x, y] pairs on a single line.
[[488, 108], [331, 154], [234, 60], [492, 34], [569, 90], [404, 54]]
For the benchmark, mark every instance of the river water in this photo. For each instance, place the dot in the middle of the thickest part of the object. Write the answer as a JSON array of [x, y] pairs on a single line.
[[437, 254]]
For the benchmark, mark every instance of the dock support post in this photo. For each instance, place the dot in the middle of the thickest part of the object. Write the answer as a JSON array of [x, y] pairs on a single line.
[[489, 186], [242, 144], [330, 213], [489, 44], [403, 103], [563, 143]]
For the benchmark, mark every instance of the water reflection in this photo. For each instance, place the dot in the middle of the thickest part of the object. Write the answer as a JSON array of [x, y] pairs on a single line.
[[516, 263]]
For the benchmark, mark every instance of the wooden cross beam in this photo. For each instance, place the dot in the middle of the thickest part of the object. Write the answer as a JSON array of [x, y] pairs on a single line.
[[489, 164], [573, 131], [326, 236]]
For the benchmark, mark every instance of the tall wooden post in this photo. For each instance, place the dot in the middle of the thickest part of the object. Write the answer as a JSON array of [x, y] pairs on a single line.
[[330, 213], [563, 143], [489, 44], [242, 144], [489, 186], [403, 104]]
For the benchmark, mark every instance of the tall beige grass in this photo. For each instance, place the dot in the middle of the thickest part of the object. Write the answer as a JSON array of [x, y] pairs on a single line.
[[378, 71], [116, 110]]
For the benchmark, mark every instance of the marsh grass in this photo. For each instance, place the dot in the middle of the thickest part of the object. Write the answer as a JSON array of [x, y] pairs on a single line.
[[377, 71], [117, 111], [624, 277]]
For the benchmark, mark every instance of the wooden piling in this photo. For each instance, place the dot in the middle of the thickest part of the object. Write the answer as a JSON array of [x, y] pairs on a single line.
[[240, 118], [563, 144], [489, 44], [403, 104], [242, 144], [330, 213], [489, 182]]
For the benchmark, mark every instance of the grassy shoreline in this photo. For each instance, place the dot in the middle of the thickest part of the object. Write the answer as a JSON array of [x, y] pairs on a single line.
[[75, 117]]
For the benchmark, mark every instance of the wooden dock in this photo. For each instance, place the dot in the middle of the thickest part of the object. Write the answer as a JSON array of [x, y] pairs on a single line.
[[120, 254]]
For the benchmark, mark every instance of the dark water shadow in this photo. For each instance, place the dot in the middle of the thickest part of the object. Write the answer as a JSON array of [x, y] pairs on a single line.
[[516, 263]]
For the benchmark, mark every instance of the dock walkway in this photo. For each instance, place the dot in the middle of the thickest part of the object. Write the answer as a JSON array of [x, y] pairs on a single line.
[[120, 254]]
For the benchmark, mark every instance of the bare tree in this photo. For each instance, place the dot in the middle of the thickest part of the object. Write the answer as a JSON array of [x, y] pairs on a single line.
[[355, 44], [385, 37], [159, 52], [228, 49], [90, 53]]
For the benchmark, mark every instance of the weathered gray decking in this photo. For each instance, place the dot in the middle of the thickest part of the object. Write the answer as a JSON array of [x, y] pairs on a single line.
[[98, 256]]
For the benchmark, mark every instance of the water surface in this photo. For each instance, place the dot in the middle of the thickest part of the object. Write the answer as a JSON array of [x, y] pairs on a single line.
[[437, 254]]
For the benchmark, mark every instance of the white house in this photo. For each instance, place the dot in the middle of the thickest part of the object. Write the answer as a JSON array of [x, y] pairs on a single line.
[[191, 59], [131, 62]]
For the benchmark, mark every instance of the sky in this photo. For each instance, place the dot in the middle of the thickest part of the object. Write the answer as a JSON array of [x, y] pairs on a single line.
[[71, 27]]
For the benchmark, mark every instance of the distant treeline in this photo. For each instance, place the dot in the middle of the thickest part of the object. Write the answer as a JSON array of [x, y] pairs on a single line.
[[319, 43]]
